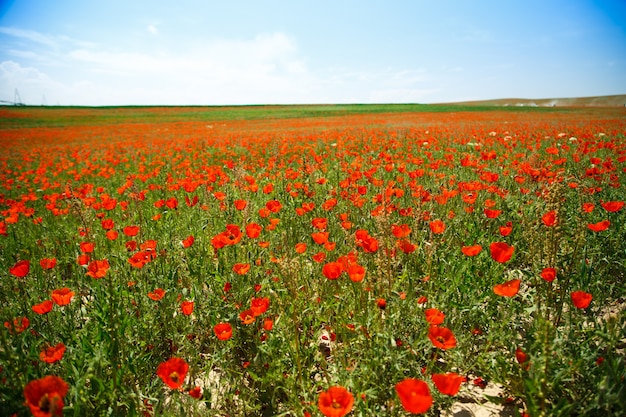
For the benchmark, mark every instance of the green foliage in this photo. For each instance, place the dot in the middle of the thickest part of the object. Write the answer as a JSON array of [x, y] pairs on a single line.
[[60, 116], [365, 335]]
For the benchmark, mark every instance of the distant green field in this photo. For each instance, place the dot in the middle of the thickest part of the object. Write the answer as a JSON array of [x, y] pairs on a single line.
[[20, 117]]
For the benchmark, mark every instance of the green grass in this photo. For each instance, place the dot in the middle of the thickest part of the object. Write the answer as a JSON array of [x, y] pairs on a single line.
[[57, 197], [37, 116]]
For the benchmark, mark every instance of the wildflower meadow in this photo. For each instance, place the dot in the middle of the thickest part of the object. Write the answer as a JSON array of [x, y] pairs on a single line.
[[358, 260]]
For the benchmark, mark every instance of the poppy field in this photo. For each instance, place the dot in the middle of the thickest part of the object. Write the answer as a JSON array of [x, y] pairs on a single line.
[[311, 260]]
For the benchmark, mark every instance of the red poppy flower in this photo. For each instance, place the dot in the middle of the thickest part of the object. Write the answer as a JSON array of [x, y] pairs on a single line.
[[441, 337], [437, 226], [520, 356], [612, 206], [300, 247], [308, 206], [406, 246], [44, 396], [20, 269], [107, 224], [53, 353], [86, 247], [247, 316], [329, 204], [259, 305], [588, 207], [549, 219], [471, 250], [173, 372], [139, 259], [264, 212], [172, 203], [240, 204], [548, 274], [319, 223], [449, 383], [365, 241], [319, 257], [507, 289], [62, 296], [149, 245], [98, 269], [195, 392], [479, 382], [274, 206], [347, 260], [332, 270], [18, 325], [501, 252], [48, 263], [112, 234], [241, 269], [434, 316], [232, 235], [335, 402], [356, 272], [157, 294], [268, 188], [400, 231], [581, 299], [109, 203], [414, 395], [83, 259], [506, 229], [188, 241], [600, 226], [131, 231], [223, 331], [320, 237], [187, 307], [43, 307], [552, 150], [253, 230], [492, 214]]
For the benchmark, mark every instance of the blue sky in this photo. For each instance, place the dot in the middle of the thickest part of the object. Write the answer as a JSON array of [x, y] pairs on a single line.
[[115, 52]]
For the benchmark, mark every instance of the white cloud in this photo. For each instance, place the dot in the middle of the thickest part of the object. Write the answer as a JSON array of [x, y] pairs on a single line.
[[29, 35], [228, 57], [261, 69], [30, 82], [115, 62], [41, 39], [13, 72], [29, 55], [266, 69]]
